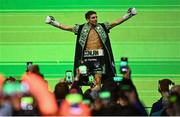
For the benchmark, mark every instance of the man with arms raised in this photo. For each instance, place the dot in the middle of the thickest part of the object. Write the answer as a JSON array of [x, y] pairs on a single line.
[[93, 44]]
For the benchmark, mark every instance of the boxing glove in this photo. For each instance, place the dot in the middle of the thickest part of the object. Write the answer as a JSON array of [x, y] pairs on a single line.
[[131, 12], [51, 20]]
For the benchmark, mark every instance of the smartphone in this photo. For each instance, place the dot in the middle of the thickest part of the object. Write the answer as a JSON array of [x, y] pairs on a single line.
[[91, 79], [69, 76], [104, 94], [74, 98], [117, 78], [11, 88], [123, 65], [27, 103], [86, 101], [83, 69]]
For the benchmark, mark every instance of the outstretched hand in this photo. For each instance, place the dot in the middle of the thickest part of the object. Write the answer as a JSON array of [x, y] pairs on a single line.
[[49, 19], [38, 88], [132, 11]]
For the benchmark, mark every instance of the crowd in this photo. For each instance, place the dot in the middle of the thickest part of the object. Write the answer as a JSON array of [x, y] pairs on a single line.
[[31, 96]]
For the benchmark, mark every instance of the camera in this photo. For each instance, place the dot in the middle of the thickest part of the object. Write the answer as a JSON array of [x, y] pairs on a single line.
[[69, 76], [124, 65]]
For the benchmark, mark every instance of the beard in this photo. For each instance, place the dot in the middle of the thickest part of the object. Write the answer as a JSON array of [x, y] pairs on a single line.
[[93, 24]]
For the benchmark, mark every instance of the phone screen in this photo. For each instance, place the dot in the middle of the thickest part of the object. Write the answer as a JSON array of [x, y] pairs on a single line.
[[91, 79], [123, 64], [104, 94], [118, 78], [27, 103], [83, 69], [10, 88], [69, 76]]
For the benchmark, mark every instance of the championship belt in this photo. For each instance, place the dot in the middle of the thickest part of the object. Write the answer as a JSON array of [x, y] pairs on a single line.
[[94, 53]]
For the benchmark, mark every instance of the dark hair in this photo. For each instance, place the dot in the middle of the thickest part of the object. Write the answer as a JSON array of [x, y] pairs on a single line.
[[10, 79], [164, 85], [61, 90], [89, 13]]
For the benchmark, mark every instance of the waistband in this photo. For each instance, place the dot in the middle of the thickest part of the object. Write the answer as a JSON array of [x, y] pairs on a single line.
[[93, 53]]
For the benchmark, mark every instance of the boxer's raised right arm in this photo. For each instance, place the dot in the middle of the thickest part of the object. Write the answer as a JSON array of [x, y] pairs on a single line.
[[51, 20]]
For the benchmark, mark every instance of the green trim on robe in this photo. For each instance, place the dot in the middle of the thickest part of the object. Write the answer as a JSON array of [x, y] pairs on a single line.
[[85, 31]]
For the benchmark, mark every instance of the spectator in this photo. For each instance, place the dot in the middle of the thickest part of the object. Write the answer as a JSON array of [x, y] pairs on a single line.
[[60, 91], [159, 107]]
